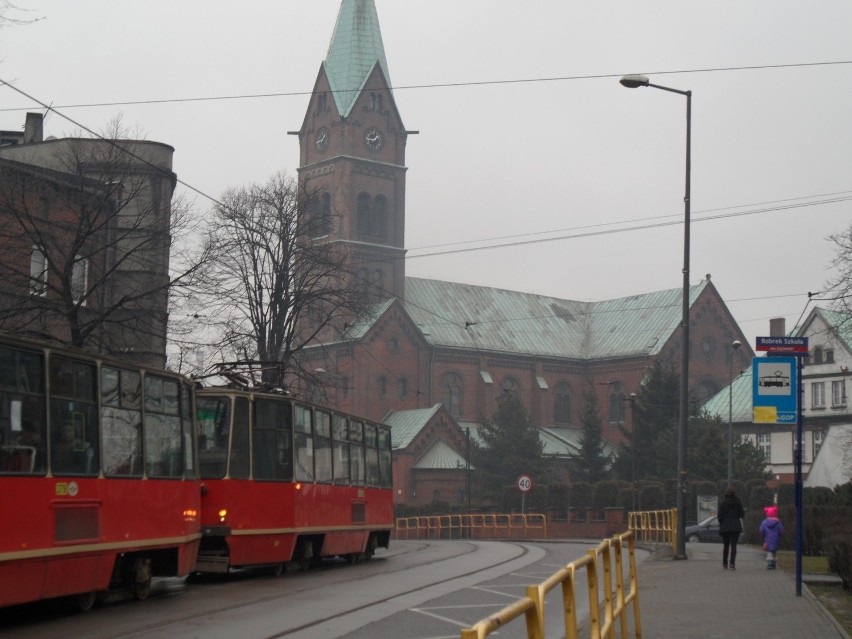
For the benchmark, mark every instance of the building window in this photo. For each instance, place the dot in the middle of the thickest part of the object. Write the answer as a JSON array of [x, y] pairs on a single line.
[[393, 346], [764, 444], [819, 437], [372, 214], [511, 387], [383, 386], [818, 355], [838, 397], [403, 388], [38, 271], [562, 404], [451, 394], [817, 395], [319, 215], [322, 102], [79, 280], [829, 356], [616, 403]]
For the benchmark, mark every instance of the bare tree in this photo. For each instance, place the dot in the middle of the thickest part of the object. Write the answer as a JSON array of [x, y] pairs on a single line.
[[9, 14], [841, 283], [276, 282], [86, 226]]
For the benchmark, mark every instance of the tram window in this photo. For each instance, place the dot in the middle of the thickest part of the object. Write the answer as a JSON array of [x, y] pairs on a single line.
[[214, 420], [121, 422], [304, 449], [23, 427], [322, 447], [340, 432], [239, 463], [74, 438], [385, 458], [189, 446], [385, 469], [372, 454], [72, 379], [21, 371], [357, 462], [272, 452], [163, 441], [372, 467], [122, 435], [23, 434], [303, 419]]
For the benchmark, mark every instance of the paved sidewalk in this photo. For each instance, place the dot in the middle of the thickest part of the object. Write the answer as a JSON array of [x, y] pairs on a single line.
[[696, 597]]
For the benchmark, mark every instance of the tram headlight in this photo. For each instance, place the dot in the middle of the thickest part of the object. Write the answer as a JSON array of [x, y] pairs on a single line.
[[223, 515]]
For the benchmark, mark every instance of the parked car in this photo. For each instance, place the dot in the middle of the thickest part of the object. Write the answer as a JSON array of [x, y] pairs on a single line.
[[706, 530]]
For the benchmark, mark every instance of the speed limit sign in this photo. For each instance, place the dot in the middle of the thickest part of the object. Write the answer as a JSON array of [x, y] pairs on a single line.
[[524, 483]]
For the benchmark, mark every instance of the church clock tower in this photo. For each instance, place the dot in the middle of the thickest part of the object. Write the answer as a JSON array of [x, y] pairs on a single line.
[[352, 153]]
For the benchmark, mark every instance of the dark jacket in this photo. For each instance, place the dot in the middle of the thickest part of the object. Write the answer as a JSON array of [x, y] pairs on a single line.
[[730, 515]]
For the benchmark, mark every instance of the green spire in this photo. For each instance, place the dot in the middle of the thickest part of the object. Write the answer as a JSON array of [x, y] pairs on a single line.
[[356, 46]]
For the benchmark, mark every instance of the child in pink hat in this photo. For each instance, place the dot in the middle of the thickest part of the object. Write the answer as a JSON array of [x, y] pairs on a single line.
[[771, 529]]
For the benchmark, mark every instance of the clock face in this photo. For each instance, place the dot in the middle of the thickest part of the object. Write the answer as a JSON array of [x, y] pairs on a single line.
[[374, 139], [321, 140]]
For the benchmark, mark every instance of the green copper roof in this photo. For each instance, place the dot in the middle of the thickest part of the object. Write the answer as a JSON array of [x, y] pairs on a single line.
[[356, 46]]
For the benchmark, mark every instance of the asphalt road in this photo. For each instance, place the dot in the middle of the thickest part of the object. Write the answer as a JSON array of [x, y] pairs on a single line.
[[417, 590]]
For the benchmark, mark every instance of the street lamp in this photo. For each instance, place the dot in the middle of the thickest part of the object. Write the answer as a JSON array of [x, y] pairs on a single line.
[[633, 82], [734, 346]]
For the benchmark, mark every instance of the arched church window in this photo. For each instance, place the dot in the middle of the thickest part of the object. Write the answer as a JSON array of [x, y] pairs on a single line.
[[322, 102], [511, 387], [377, 283], [383, 386], [376, 102], [363, 214], [616, 403], [319, 215], [379, 218], [451, 393], [562, 403]]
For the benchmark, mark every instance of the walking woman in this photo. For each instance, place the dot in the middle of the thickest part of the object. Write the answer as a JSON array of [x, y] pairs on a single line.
[[730, 518]]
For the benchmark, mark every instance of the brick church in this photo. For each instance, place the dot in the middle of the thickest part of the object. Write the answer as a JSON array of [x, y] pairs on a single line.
[[432, 357]]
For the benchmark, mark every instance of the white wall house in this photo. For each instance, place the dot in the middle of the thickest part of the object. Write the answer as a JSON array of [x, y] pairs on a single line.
[[826, 406]]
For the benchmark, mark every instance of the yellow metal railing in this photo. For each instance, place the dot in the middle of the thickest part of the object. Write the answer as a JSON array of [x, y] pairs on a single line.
[[654, 526], [607, 606], [505, 525]]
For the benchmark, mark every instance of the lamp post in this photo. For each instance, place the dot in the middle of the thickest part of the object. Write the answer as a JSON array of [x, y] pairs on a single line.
[[734, 346], [633, 82]]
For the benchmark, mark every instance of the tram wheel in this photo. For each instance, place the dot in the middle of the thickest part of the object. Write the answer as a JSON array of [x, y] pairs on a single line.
[[85, 600], [141, 578], [306, 556], [279, 569]]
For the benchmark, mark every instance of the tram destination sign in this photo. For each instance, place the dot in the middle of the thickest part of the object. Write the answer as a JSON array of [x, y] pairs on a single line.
[[782, 344]]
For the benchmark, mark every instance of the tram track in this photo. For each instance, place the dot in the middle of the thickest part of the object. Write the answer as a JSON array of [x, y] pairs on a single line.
[[317, 598]]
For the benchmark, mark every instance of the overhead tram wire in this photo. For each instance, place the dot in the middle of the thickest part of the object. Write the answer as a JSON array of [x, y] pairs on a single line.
[[115, 145], [54, 109], [444, 85]]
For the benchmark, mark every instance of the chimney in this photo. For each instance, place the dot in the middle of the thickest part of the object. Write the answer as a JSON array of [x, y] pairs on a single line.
[[33, 128], [777, 327]]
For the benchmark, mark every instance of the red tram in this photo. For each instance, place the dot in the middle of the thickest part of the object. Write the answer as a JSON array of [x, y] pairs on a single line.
[[99, 486], [288, 481]]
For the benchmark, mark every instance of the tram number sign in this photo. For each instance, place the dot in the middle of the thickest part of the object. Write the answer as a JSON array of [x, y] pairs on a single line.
[[524, 483]]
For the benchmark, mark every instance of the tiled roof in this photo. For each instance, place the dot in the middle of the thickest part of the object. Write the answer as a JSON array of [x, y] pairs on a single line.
[[355, 49], [405, 424], [741, 392], [440, 456], [839, 321], [491, 319]]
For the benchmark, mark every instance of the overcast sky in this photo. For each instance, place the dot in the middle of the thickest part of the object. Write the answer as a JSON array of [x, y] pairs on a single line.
[[525, 132]]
